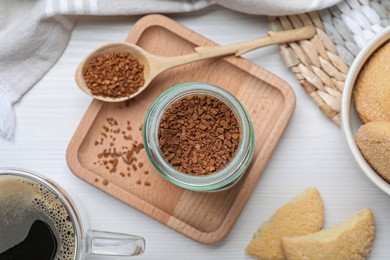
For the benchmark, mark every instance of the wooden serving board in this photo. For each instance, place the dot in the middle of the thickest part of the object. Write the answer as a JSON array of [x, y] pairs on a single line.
[[201, 216]]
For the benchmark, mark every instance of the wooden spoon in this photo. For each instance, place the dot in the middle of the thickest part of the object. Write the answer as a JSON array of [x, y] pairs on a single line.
[[154, 65]]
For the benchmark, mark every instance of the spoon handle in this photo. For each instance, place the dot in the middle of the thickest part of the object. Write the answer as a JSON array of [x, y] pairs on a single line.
[[205, 52], [243, 47]]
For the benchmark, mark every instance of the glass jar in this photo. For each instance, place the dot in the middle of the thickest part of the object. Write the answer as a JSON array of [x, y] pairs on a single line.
[[219, 180]]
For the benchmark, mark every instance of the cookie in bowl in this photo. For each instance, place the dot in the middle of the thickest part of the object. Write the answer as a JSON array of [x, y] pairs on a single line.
[[366, 98], [373, 140], [372, 88]]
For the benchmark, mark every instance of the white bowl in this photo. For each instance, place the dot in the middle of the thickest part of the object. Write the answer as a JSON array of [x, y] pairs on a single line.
[[350, 121]]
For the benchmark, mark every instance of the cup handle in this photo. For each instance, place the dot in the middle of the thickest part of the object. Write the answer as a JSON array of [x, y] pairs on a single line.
[[114, 244]]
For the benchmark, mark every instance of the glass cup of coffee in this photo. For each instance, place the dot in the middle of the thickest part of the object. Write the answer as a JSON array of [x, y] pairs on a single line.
[[38, 220]]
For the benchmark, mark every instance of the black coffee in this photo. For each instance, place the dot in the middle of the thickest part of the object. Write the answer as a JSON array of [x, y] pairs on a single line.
[[34, 224], [40, 243]]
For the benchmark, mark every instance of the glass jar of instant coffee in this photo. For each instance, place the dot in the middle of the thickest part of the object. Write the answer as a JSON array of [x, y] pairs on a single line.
[[199, 137]]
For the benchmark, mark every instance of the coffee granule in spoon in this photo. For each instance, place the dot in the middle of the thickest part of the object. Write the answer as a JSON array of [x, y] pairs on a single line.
[[198, 134], [115, 75]]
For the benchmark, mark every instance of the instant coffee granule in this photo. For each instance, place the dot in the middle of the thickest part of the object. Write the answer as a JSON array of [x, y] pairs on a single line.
[[198, 134], [117, 158], [115, 75]]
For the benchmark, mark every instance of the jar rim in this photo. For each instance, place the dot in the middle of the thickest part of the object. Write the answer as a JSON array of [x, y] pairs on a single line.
[[229, 173]]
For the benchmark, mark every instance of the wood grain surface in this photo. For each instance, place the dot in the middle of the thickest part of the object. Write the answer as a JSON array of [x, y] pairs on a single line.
[[203, 217]]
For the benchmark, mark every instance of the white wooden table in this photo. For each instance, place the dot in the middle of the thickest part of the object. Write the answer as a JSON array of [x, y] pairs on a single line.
[[310, 153]]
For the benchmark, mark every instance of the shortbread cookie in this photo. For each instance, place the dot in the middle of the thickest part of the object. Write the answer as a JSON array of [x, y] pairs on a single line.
[[350, 240], [372, 89], [302, 215], [373, 140]]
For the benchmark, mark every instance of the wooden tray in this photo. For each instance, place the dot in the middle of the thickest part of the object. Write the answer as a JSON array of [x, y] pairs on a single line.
[[203, 217]]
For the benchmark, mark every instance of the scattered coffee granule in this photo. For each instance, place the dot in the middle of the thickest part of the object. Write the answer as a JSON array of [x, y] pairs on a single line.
[[198, 134], [117, 158], [112, 121], [114, 163], [116, 74], [96, 180], [105, 182], [128, 137], [147, 183]]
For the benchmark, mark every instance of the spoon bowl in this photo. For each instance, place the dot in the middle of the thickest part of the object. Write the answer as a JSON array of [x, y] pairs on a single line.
[[154, 65], [137, 52]]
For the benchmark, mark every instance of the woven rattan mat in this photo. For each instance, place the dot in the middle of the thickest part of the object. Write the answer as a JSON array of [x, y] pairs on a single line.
[[321, 64]]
